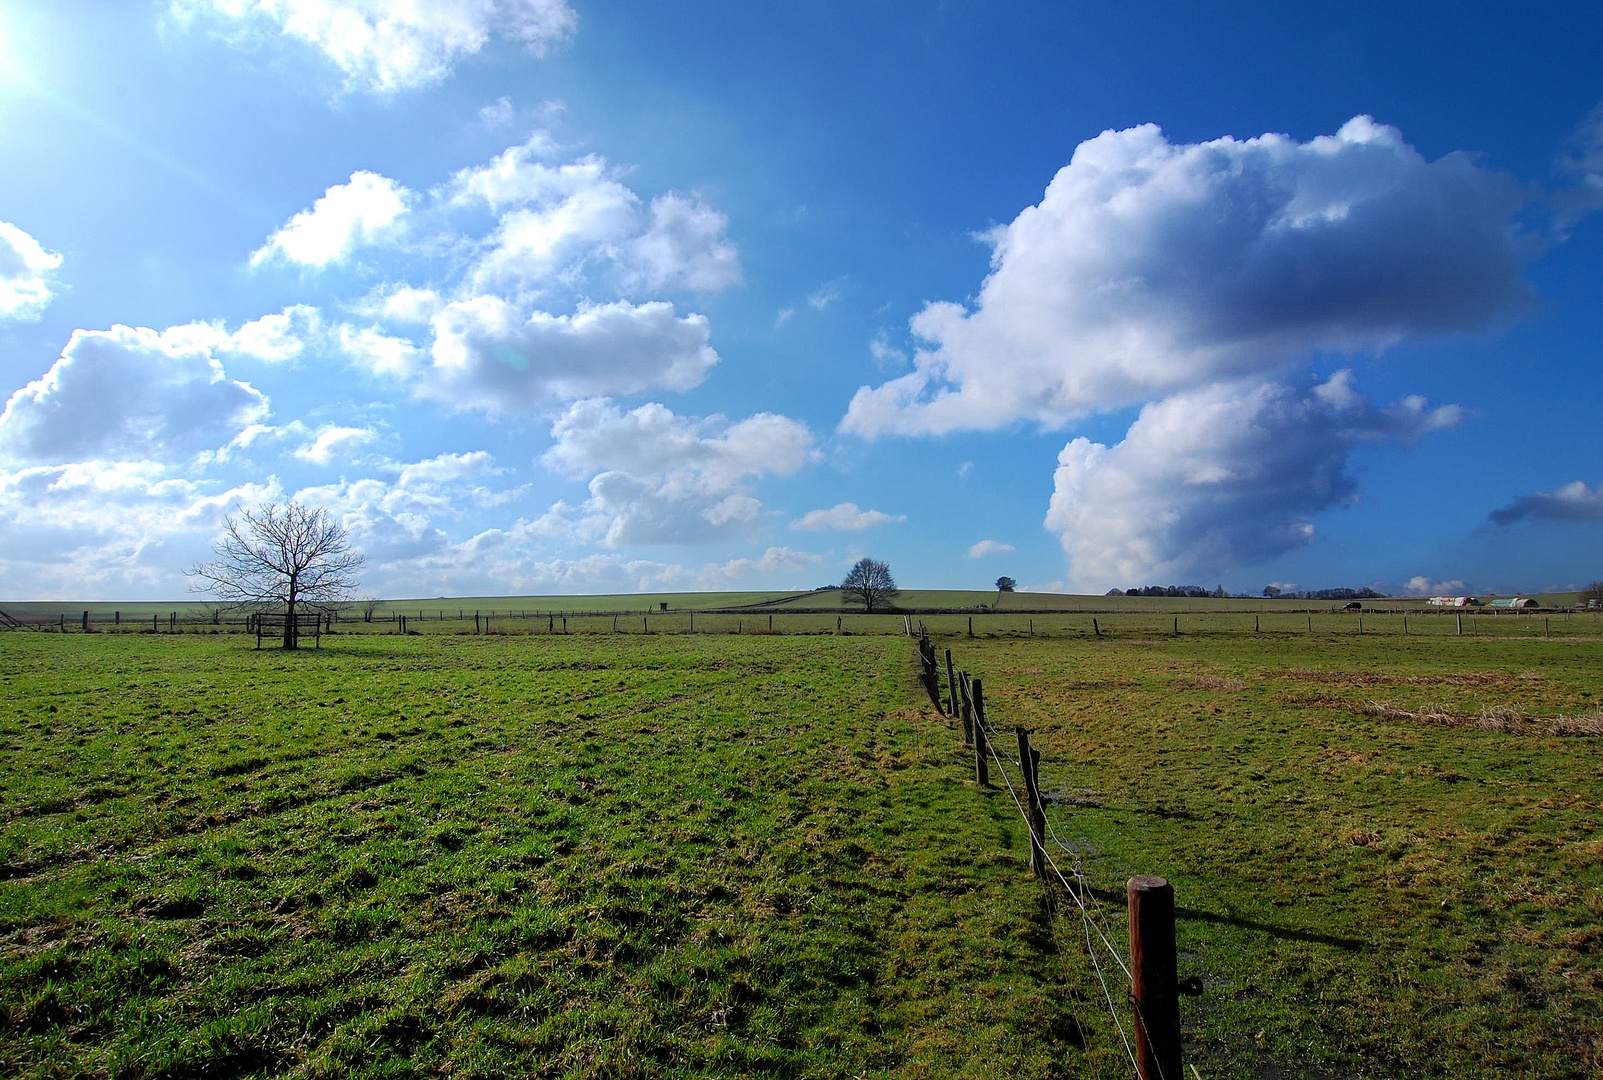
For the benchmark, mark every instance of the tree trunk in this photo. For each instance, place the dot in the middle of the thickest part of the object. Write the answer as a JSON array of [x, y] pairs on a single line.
[[290, 629]]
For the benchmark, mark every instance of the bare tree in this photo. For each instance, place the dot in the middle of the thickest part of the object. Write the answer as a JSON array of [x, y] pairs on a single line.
[[291, 555], [869, 583]]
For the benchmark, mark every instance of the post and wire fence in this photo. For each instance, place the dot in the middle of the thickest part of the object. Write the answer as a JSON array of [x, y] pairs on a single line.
[[1148, 1021]]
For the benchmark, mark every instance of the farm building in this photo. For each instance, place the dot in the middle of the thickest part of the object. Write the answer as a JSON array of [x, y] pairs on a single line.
[[1453, 601], [1515, 602]]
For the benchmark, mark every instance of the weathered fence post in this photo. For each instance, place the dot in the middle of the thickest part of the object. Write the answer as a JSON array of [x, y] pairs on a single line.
[[770, 624], [116, 618], [966, 706], [982, 764], [1177, 624], [838, 624], [565, 623], [155, 624], [1154, 982], [1310, 623], [1095, 629], [614, 623], [1255, 624], [692, 622], [971, 626], [951, 685], [1029, 759], [86, 622], [1405, 626]]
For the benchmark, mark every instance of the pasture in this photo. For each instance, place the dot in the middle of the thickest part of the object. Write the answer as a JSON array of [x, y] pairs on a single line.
[[664, 854]]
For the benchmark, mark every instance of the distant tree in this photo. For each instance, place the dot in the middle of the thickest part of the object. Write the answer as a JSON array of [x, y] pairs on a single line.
[[1271, 591], [292, 555], [1593, 593], [1006, 584], [368, 606], [869, 583], [1219, 592]]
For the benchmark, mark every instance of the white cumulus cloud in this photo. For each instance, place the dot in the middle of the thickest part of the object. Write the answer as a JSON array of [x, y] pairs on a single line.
[[482, 334], [385, 45], [1420, 585], [684, 247], [1575, 501], [367, 210], [1151, 268], [1218, 477], [489, 355], [25, 274], [333, 442], [656, 477], [844, 517], [989, 547], [128, 393]]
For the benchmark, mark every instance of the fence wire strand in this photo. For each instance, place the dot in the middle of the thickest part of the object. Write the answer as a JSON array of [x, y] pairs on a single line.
[[1086, 918]]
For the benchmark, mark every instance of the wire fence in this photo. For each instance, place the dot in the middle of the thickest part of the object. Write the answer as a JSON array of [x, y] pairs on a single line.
[[1058, 863]]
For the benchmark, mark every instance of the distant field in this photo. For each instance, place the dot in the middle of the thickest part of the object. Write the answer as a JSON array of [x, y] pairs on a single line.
[[672, 855], [136, 615]]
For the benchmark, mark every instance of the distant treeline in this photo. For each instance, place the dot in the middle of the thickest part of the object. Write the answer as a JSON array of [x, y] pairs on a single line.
[[1365, 593], [1168, 590]]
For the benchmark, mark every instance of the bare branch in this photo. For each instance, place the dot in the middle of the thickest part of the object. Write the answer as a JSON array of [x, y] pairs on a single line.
[[288, 555]]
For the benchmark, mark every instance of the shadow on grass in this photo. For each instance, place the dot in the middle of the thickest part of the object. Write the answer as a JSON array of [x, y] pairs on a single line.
[[1288, 933]]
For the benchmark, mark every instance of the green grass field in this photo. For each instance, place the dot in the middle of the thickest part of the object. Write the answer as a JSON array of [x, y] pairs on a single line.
[[660, 854]]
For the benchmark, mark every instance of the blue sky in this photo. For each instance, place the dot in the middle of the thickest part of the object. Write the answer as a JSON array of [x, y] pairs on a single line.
[[545, 296]]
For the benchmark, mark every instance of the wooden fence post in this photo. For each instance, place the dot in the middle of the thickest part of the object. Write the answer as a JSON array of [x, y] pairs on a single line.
[[966, 706], [971, 626], [951, 685], [1095, 629], [86, 622], [1255, 624], [155, 624], [770, 624], [1029, 759], [1154, 982], [982, 764], [116, 618]]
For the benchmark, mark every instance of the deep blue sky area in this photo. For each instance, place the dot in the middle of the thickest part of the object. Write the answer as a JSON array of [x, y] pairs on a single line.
[[568, 296]]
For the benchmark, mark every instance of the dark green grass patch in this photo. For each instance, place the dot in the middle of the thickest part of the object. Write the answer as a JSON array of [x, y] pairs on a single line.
[[477, 856], [1387, 851]]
